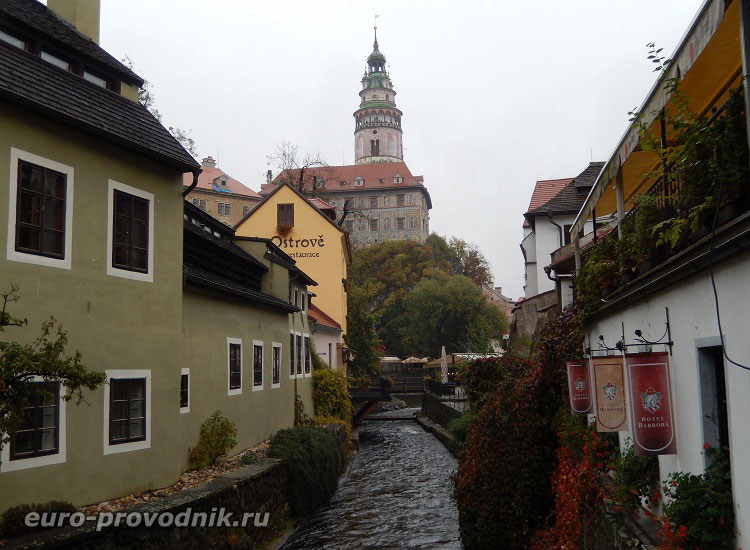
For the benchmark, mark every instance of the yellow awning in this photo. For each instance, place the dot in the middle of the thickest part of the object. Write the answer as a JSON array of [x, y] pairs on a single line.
[[709, 63]]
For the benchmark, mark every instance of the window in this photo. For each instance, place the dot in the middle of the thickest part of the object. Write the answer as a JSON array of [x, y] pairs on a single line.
[[566, 234], [307, 356], [285, 215], [374, 225], [101, 82], [373, 202], [400, 200], [399, 223], [41, 212], [245, 211], [184, 390], [304, 301], [358, 181], [12, 40], [398, 179], [39, 434], [223, 209], [56, 61], [296, 298], [412, 222], [131, 232], [234, 365], [127, 410], [330, 354], [276, 365], [40, 207], [291, 355], [387, 224], [257, 365], [299, 354], [130, 239], [381, 180]]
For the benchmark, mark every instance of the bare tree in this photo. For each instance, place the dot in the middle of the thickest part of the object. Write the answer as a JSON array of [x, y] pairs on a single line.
[[148, 100], [307, 175]]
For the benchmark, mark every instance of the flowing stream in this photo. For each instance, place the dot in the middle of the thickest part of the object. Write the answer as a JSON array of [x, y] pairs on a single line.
[[396, 495]]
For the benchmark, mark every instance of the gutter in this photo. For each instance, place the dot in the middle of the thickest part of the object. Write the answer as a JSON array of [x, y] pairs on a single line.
[[196, 173]]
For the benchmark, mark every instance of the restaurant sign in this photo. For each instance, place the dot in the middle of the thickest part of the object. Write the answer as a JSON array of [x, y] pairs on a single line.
[[651, 398], [609, 389], [579, 386]]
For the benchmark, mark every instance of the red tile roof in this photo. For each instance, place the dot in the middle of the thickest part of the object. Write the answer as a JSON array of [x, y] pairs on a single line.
[[341, 178], [546, 190], [322, 318], [206, 182]]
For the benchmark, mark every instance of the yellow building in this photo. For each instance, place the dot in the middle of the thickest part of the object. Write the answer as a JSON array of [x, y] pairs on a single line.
[[306, 230]]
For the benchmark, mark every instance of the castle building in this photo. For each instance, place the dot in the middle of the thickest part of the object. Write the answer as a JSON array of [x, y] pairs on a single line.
[[377, 198]]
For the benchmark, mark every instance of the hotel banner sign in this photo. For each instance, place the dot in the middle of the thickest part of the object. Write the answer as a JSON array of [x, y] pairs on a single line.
[[609, 388], [651, 399], [579, 386]]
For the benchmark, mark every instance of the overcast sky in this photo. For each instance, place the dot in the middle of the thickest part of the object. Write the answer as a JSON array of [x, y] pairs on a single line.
[[495, 94]]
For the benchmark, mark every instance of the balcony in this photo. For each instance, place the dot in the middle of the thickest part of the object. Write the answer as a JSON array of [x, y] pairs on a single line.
[[694, 213]]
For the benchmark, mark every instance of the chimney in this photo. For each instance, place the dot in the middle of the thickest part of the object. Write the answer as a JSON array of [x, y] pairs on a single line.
[[82, 14], [269, 176], [499, 289], [209, 162]]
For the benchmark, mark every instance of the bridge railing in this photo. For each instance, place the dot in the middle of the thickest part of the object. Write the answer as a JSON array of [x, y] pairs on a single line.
[[449, 393]]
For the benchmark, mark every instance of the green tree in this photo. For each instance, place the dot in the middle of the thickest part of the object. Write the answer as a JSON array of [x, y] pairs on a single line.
[[468, 260], [361, 336], [46, 358], [450, 311]]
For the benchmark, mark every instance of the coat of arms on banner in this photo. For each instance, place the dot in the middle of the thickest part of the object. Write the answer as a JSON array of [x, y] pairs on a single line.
[[651, 400], [580, 384], [610, 390]]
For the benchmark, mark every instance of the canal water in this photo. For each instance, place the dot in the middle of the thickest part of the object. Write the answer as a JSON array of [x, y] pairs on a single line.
[[396, 495]]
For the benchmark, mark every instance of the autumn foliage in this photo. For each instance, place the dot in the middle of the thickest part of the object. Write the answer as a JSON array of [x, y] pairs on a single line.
[[502, 484]]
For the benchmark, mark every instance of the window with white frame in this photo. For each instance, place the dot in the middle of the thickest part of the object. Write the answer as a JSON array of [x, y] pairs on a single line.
[[257, 365], [276, 365], [127, 411], [291, 355], [184, 390], [234, 366], [298, 343], [130, 232], [40, 209], [307, 356], [40, 441]]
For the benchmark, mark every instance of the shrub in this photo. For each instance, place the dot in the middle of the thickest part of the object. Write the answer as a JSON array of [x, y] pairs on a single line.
[[699, 511], [313, 460], [482, 376], [317, 362], [502, 483], [218, 434], [12, 521], [331, 395], [635, 478], [301, 418], [459, 427]]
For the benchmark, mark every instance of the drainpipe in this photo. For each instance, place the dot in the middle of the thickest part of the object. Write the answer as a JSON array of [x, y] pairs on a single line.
[[559, 233], [745, 38], [196, 173]]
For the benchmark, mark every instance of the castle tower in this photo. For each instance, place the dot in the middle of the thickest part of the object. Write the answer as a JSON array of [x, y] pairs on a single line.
[[377, 130]]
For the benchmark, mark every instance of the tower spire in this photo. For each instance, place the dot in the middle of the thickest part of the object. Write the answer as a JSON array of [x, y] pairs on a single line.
[[375, 43]]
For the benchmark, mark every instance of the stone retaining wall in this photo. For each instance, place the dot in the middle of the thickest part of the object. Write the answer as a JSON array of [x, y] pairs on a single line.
[[437, 411], [255, 488]]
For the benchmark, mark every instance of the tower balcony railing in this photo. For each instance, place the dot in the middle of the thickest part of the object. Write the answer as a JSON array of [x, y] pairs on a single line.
[[378, 124]]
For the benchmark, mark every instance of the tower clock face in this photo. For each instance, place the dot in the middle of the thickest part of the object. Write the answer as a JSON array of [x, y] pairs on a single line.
[[374, 131]]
